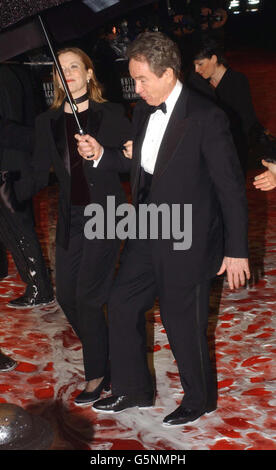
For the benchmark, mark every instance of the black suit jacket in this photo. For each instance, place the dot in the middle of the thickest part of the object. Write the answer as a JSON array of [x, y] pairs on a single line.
[[17, 115], [233, 96], [197, 164], [109, 125], [15, 136]]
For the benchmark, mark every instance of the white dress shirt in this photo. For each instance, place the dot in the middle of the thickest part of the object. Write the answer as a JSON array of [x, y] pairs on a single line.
[[155, 130]]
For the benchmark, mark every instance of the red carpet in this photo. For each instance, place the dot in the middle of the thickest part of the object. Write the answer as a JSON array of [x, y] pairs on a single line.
[[242, 340]]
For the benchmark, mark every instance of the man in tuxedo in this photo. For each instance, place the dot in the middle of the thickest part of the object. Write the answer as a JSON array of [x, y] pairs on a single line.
[[182, 154]]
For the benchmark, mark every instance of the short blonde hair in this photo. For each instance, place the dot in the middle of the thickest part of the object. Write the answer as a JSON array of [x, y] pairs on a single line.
[[94, 88]]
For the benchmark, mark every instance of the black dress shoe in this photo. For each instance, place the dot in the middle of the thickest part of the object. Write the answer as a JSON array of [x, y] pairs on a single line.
[[183, 415], [6, 363], [30, 300], [85, 398], [115, 403]]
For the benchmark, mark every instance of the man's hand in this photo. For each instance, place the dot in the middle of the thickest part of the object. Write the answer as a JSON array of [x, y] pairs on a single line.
[[237, 271], [88, 147], [267, 180], [128, 149]]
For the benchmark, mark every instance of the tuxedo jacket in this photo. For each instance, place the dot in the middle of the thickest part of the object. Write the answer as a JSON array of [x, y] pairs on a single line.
[[197, 164], [109, 125]]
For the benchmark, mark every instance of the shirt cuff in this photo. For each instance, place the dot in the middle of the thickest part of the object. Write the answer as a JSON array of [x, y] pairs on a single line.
[[96, 162]]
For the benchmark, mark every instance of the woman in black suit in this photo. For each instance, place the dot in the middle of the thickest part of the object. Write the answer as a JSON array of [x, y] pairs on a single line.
[[84, 267], [229, 89]]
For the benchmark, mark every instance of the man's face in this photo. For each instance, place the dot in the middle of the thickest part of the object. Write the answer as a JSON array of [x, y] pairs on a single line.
[[153, 89]]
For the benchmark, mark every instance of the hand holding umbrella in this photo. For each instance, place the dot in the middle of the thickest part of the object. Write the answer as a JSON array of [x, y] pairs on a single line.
[[88, 147]]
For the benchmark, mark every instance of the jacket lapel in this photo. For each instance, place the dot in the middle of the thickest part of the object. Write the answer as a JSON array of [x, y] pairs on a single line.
[[94, 119], [60, 137], [137, 151], [173, 135], [58, 126]]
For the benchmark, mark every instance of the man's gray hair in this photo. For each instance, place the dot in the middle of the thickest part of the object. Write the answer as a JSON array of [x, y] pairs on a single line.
[[158, 50]]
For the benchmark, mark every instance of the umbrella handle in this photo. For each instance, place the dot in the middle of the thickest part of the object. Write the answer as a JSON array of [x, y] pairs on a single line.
[[60, 72]]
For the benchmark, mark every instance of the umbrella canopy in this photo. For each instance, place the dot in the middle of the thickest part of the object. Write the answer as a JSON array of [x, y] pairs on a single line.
[[24, 28], [14, 11], [64, 20]]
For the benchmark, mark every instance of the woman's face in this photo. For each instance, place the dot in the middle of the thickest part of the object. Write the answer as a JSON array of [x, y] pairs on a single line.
[[206, 67], [75, 73]]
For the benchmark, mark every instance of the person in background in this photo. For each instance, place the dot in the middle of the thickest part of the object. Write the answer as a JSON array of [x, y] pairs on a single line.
[[19, 138], [229, 89], [17, 224]]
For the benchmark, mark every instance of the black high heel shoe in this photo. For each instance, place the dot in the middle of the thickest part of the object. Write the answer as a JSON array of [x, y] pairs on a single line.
[[85, 398]]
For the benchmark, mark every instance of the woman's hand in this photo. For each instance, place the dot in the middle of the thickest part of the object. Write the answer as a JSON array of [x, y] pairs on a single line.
[[88, 147], [127, 151]]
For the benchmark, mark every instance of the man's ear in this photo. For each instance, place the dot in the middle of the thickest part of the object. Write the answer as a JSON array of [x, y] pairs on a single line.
[[169, 73]]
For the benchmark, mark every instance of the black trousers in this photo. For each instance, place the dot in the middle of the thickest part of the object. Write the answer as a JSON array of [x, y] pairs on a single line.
[[3, 261], [84, 274], [18, 235], [184, 313]]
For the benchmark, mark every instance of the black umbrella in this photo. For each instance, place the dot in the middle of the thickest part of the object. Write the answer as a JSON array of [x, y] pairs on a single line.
[[28, 24], [65, 20]]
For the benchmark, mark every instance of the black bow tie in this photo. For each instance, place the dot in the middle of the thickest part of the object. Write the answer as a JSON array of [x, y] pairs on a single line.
[[161, 106]]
